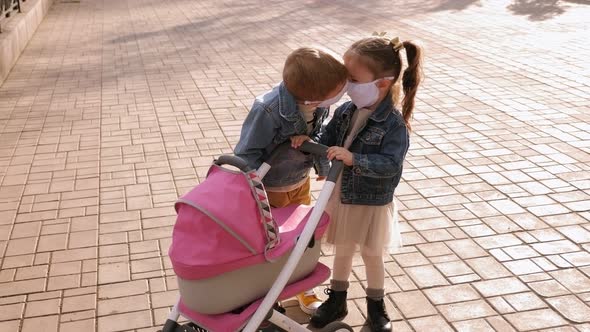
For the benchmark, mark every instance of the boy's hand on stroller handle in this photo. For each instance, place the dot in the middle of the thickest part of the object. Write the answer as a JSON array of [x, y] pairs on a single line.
[[296, 141]]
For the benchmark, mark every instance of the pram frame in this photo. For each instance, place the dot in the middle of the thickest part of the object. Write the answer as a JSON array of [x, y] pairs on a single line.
[[265, 310]]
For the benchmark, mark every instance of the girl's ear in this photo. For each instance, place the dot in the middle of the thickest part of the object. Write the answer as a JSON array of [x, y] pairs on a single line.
[[383, 84]]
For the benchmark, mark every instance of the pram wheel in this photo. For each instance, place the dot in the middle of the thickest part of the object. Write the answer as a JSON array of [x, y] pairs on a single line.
[[192, 327], [337, 327], [269, 328], [172, 326]]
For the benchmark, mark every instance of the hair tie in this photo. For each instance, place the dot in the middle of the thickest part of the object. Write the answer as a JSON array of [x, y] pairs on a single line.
[[396, 44]]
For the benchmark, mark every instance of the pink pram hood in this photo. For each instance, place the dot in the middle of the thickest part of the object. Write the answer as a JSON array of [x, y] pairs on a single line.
[[223, 224]]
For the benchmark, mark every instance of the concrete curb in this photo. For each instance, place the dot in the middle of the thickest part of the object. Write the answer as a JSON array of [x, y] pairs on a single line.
[[17, 32]]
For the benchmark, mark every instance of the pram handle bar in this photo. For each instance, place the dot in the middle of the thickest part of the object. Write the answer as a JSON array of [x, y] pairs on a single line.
[[234, 161], [300, 246], [335, 171], [320, 149], [306, 147], [242, 165], [313, 148]]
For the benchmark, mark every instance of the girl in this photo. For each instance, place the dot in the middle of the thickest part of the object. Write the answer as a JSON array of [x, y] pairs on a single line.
[[371, 137]]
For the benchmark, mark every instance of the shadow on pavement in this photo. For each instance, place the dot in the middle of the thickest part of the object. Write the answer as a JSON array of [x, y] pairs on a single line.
[[542, 10]]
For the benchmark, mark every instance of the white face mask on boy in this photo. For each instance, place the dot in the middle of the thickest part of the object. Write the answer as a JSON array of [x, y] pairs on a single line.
[[365, 94], [331, 101]]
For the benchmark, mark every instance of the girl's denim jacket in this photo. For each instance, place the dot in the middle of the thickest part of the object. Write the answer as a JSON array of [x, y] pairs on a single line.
[[379, 151], [273, 119]]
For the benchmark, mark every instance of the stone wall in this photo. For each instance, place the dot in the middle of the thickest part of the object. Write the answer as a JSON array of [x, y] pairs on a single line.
[[17, 31]]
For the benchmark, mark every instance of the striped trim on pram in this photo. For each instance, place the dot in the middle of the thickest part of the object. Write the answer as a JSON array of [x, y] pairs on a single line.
[[271, 229]]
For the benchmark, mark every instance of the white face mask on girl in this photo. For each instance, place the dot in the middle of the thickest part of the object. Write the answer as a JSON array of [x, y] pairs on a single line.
[[365, 94], [330, 101]]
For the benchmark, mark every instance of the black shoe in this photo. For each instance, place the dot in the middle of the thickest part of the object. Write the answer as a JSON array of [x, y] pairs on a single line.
[[334, 308], [279, 307], [377, 316]]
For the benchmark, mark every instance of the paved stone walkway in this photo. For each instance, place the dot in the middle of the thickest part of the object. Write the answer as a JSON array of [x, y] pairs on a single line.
[[117, 107]]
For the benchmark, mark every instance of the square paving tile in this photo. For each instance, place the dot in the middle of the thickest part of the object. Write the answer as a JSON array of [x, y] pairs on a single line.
[[114, 109]]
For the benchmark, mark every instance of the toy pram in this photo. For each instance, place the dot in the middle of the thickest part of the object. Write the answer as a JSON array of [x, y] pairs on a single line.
[[235, 257]]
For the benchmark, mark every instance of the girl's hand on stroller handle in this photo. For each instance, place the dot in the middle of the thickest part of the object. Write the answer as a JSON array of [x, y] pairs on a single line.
[[340, 153], [319, 149]]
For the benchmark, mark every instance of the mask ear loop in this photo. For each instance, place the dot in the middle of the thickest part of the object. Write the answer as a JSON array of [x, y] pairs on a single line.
[[388, 78], [341, 93]]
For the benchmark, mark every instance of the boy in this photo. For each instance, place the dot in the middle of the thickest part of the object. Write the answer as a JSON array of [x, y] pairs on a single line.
[[294, 110]]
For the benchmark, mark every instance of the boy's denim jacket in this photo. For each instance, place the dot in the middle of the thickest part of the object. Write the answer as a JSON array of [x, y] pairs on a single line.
[[273, 119], [379, 151]]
